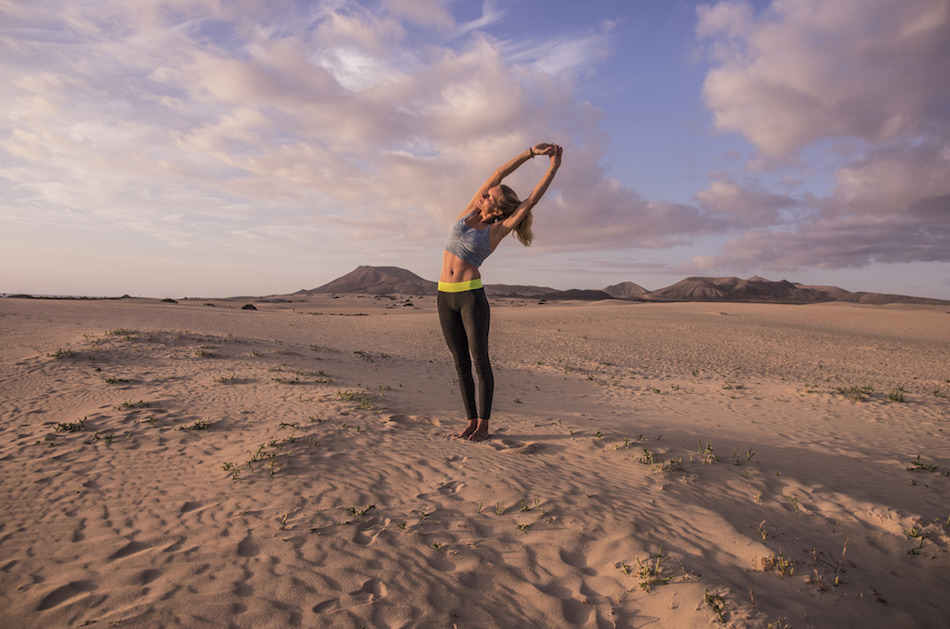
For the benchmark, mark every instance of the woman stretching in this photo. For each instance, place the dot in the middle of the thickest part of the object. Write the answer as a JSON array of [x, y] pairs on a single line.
[[493, 213]]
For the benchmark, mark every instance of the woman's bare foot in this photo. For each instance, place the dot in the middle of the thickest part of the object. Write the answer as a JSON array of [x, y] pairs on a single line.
[[466, 434], [481, 431]]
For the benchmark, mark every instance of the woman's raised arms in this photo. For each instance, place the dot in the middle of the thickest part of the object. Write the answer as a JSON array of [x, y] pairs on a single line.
[[552, 150], [511, 166]]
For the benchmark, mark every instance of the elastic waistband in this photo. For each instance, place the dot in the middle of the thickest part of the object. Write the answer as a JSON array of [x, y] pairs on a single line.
[[460, 287]]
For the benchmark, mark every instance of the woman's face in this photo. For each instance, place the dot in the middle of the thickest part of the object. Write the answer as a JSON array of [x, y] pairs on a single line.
[[489, 204]]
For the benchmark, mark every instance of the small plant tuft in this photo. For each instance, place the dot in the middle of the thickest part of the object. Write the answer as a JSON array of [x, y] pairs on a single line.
[[360, 512], [717, 603], [855, 394], [129, 404], [741, 459], [785, 567], [294, 380], [199, 424], [650, 571], [897, 395], [919, 465], [706, 453], [75, 426]]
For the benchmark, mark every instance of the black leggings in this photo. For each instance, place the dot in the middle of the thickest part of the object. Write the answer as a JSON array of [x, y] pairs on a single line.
[[464, 317]]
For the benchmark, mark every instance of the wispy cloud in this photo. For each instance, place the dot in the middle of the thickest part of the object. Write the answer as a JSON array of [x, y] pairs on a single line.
[[491, 14], [566, 55]]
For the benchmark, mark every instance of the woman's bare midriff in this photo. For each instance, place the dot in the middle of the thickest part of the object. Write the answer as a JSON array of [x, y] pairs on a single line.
[[455, 269]]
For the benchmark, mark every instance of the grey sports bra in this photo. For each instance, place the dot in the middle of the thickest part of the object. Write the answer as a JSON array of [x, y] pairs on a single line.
[[468, 243]]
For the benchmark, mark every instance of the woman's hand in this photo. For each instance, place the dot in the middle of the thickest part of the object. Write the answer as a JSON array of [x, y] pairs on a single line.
[[553, 150]]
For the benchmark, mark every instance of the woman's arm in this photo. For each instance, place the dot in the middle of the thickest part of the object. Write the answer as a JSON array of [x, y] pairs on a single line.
[[504, 170], [554, 151]]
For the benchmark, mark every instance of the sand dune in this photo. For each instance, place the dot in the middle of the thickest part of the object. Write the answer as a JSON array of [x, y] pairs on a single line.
[[668, 465]]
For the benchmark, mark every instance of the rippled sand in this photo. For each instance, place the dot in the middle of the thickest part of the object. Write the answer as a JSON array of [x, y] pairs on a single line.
[[670, 465]]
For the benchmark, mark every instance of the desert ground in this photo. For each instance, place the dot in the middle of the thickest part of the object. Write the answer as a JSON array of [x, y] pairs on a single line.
[[197, 464]]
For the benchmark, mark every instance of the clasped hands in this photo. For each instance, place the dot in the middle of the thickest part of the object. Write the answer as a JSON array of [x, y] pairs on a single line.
[[546, 148]]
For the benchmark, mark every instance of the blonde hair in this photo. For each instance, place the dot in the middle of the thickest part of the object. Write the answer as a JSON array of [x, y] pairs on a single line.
[[509, 203]]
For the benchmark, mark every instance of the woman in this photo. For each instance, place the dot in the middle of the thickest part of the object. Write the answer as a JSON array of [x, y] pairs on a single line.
[[493, 213]]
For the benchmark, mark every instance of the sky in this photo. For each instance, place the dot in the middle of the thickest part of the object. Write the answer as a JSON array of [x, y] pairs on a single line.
[[214, 148]]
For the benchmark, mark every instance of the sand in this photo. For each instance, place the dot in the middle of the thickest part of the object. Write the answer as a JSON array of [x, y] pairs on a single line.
[[652, 465]]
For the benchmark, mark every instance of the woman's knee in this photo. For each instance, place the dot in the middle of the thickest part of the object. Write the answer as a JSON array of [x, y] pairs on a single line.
[[483, 366]]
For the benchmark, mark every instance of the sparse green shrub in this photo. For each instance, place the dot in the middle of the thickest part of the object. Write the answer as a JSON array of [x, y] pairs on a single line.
[[897, 395], [75, 426]]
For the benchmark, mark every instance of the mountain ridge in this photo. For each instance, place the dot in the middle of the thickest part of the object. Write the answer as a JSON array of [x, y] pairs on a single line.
[[391, 280]]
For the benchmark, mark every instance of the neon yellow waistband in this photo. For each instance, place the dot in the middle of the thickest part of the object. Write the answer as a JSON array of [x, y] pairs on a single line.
[[460, 287]]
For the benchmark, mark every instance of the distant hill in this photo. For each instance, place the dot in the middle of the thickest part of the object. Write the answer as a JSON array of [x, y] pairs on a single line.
[[735, 289], [763, 290], [377, 280], [391, 280], [576, 294], [516, 290], [625, 290]]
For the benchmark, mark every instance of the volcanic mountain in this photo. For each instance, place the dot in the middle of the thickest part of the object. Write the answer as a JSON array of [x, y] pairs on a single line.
[[735, 289], [626, 290], [377, 280], [763, 290], [391, 280]]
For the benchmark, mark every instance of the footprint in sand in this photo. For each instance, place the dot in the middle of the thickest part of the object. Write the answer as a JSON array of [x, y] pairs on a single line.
[[132, 548], [413, 419], [365, 533], [506, 444], [531, 448], [78, 534], [66, 593], [575, 612], [328, 605], [518, 446], [371, 591], [175, 546], [374, 589], [147, 576], [248, 547], [576, 560], [400, 419], [451, 488]]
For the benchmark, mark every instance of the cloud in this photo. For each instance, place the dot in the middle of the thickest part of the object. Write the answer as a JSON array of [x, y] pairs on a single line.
[[856, 86], [491, 14], [844, 243], [595, 213], [892, 178], [206, 126], [424, 12], [263, 128], [752, 206], [563, 56], [808, 70]]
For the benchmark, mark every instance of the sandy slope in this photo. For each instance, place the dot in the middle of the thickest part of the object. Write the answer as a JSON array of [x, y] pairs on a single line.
[[291, 466]]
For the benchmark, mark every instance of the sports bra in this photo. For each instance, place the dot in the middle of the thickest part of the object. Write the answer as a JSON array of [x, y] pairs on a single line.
[[470, 244]]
